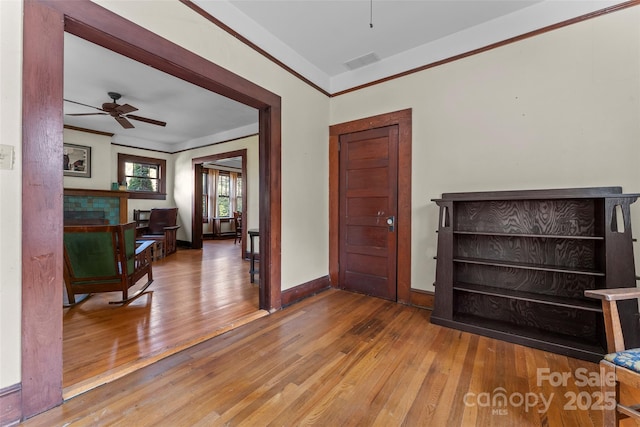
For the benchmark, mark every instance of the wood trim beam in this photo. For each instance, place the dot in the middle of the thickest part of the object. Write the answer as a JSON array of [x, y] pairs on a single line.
[[300, 292], [42, 206], [403, 120], [11, 405], [270, 191], [102, 27], [250, 44], [196, 215], [422, 299], [85, 130]]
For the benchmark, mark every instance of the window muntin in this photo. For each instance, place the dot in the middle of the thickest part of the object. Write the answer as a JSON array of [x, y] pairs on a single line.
[[239, 193], [205, 198], [223, 208], [143, 176]]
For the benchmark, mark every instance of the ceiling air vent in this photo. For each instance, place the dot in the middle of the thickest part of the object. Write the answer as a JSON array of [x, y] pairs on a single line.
[[361, 61]]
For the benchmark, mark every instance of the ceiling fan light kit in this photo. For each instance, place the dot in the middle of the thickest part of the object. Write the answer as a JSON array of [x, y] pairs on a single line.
[[119, 112]]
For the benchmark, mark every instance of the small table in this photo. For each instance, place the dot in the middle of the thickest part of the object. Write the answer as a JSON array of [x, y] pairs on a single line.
[[254, 232], [157, 249]]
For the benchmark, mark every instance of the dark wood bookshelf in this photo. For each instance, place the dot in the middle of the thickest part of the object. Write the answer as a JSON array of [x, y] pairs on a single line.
[[528, 266], [530, 337], [540, 236], [514, 265], [515, 294]]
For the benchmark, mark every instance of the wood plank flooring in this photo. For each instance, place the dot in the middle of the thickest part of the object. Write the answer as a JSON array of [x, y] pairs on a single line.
[[341, 359], [196, 294]]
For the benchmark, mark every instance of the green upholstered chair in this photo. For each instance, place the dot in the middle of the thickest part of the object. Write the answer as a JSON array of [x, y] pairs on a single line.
[[621, 367], [105, 258]]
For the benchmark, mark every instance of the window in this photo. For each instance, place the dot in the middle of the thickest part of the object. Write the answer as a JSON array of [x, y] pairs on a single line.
[[239, 193], [224, 195], [144, 176], [205, 198], [221, 194]]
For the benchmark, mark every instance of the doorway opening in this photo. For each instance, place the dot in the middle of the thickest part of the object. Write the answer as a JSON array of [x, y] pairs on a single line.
[[199, 193], [402, 224], [44, 26]]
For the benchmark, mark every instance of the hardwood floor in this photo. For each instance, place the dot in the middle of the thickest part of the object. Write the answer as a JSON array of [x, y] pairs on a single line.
[[196, 294], [338, 359]]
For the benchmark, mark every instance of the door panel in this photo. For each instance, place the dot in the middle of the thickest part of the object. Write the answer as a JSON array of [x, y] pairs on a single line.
[[368, 198], [362, 263], [367, 236], [364, 206], [368, 182]]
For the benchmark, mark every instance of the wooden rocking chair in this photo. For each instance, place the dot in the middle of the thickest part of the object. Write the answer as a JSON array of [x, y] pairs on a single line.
[[104, 258]]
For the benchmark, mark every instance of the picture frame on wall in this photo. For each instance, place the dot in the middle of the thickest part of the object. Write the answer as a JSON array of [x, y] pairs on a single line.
[[76, 160]]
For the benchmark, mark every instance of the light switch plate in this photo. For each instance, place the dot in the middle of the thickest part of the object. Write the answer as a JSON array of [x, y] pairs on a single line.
[[6, 156]]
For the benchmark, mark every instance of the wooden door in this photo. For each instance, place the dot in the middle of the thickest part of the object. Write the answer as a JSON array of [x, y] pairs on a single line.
[[368, 211]]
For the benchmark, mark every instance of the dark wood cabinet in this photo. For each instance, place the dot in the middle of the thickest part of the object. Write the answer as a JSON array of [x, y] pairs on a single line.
[[514, 265]]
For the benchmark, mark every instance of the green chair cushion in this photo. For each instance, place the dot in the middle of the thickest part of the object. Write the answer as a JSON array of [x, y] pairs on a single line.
[[97, 247]]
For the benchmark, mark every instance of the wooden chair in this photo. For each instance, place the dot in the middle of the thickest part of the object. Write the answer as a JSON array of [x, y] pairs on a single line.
[[237, 217], [621, 367], [163, 227], [141, 217], [104, 258]]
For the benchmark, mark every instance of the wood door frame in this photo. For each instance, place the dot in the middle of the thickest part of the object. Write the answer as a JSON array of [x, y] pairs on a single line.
[[401, 118], [197, 164], [45, 22]]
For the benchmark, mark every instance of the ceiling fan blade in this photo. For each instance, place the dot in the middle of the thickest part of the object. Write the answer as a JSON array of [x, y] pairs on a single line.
[[146, 120], [126, 108], [87, 114], [86, 105], [124, 122]]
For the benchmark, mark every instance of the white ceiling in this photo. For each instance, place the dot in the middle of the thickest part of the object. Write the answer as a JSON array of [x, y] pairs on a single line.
[[194, 116], [226, 163], [313, 37], [317, 37]]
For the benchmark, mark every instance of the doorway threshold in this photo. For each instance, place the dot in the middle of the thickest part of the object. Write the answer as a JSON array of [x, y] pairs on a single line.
[[122, 370]]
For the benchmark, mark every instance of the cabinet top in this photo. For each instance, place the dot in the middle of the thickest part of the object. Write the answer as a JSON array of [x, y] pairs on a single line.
[[561, 193]]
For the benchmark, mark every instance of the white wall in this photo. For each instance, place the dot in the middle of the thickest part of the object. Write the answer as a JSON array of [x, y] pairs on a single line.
[[305, 118], [101, 166], [10, 191], [558, 110]]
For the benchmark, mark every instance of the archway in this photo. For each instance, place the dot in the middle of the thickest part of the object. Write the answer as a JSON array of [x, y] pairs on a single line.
[[42, 187]]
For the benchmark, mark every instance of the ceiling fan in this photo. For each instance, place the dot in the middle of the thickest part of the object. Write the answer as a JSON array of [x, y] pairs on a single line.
[[118, 112]]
